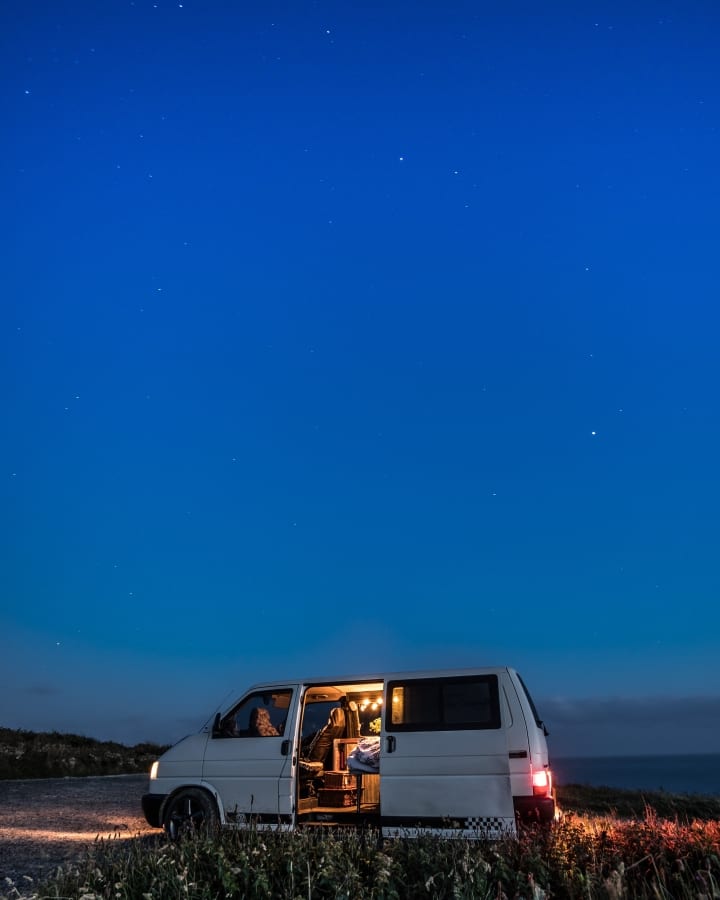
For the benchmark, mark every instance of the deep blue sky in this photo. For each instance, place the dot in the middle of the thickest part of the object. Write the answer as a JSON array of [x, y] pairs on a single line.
[[340, 337]]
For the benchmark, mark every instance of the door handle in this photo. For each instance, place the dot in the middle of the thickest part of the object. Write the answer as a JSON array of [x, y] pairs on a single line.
[[285, 747], [390, 743]]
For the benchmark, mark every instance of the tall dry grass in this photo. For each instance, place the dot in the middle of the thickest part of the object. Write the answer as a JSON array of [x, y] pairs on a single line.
[[579, 857]]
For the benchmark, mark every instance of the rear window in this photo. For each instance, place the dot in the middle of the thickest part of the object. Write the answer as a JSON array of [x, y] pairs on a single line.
[[443, 704]]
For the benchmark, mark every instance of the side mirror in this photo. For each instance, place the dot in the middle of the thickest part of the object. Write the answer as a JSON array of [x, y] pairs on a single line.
[[216, 725]]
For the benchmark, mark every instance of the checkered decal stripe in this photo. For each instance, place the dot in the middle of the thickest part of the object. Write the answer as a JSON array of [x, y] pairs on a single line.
[[489, 828], [486, 823]]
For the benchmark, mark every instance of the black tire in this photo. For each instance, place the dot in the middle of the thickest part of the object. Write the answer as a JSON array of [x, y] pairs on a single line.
[[190, 812]]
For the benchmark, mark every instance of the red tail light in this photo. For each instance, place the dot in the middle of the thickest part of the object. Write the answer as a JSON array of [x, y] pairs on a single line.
[[542, 783]]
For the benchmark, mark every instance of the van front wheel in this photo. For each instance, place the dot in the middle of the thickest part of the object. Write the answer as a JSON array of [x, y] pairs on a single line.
[[190, 811]]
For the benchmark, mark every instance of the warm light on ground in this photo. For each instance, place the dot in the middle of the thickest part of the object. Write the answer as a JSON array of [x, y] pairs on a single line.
[[53, 835]]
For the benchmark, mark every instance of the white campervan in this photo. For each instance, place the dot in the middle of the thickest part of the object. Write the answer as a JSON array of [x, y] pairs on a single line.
[[462, 752]]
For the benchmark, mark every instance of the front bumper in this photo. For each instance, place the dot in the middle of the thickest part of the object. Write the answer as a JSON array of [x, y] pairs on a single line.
[[151, 806]]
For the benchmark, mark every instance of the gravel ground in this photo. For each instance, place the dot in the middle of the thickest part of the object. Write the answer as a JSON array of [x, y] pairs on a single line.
[[50, 821]]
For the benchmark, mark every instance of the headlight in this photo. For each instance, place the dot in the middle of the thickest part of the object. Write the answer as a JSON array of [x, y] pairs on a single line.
[[154, 770]]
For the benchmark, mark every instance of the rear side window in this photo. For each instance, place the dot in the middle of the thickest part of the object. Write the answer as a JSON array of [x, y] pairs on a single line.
[[443, 704]]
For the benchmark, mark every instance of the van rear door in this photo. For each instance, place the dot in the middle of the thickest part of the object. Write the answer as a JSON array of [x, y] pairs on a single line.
[[444, 756]]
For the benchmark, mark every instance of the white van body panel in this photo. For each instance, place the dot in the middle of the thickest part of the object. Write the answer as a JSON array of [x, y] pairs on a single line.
[[459, 776], [253, 776], [184, 760], [460, 779]]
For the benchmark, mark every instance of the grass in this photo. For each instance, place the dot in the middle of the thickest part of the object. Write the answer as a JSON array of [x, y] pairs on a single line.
[[577, 858], [582, 856], [617, 803]]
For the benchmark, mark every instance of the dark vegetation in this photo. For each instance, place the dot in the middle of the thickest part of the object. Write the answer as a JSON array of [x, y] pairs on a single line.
[[606, 801], [578, 857], [29, 754]]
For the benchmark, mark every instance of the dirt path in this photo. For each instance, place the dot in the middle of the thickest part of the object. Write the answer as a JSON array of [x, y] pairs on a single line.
[[49, 821]]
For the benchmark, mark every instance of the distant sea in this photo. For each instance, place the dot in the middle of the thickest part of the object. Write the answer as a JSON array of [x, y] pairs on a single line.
[[698, 774]]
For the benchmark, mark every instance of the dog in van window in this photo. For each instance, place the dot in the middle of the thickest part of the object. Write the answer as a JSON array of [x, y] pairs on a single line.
[[261, 725]]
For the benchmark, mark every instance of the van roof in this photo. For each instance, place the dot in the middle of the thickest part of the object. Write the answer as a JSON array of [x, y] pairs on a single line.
[[383, 676]]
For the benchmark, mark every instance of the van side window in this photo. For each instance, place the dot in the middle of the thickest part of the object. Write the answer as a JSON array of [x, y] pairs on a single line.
[[443, 704], [262, 714]]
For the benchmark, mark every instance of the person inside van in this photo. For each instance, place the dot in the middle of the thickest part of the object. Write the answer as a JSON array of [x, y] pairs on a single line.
[[261, 725]]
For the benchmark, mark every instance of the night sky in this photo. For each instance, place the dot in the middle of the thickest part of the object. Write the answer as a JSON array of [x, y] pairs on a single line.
[[345, 337]]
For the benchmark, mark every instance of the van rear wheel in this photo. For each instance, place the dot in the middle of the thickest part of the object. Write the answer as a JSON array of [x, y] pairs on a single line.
[[190, 811]]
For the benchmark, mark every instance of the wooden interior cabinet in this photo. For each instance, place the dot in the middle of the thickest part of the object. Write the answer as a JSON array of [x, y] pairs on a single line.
[[342, 748]]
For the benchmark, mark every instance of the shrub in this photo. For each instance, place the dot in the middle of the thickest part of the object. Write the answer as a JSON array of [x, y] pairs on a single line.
[[29, 754]]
